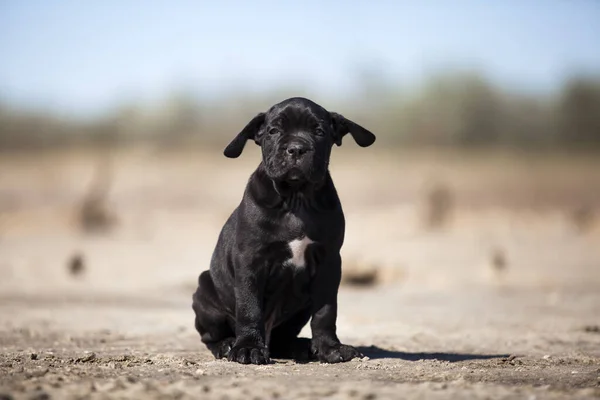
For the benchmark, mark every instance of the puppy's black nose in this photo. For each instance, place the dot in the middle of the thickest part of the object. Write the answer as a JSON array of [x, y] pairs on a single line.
[[296, 149]]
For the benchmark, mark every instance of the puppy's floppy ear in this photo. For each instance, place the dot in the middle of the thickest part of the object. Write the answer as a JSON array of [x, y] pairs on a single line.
[[234, 149], [343, 126]]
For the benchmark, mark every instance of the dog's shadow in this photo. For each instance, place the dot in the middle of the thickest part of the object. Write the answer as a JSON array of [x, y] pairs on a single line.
[[375, 352]]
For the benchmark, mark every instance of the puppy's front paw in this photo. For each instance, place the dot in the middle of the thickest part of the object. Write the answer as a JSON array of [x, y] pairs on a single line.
[[221, 349], [249, 354], [337, 353]]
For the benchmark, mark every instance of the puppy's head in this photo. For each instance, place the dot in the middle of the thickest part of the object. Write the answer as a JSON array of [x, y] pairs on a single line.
[[296, 137]]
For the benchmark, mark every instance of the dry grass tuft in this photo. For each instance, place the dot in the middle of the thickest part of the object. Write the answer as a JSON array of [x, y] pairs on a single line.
[[438, 205], [498, 260], [76, 265], [94, 214], [583, 218]]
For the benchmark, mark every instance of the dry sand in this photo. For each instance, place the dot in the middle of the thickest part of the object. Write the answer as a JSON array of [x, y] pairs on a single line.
[[501, 301]]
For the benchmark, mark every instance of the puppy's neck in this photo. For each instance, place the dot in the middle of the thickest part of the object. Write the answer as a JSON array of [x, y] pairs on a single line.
[[273, 195]]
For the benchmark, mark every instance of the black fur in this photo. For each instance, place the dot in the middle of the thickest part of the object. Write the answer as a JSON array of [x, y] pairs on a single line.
[[252, 303]]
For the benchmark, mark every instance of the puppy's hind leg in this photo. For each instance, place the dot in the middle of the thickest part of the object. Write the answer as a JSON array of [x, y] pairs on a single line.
[[211, 321], [285, 342]]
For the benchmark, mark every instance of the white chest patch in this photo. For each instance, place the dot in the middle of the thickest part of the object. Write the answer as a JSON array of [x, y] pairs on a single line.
[[298, 248]]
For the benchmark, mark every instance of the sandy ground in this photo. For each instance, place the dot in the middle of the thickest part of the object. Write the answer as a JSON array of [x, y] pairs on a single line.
[[501, 301]]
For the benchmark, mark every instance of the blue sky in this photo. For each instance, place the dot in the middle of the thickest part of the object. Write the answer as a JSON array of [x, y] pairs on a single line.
[[82, 56]]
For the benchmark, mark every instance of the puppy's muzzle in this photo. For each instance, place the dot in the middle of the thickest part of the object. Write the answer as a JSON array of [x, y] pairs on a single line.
[[296, 149]]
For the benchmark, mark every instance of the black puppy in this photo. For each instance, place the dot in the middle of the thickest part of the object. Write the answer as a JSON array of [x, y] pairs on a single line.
[[277, 259]]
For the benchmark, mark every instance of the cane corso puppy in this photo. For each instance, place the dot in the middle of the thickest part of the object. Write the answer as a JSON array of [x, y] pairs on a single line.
[[277, 261]]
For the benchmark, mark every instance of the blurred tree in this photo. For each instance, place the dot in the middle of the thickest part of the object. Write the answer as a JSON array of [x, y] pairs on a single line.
[[450, 109], [480, 112], [182, 114], [578, 112], [526, 122], [455, 109]]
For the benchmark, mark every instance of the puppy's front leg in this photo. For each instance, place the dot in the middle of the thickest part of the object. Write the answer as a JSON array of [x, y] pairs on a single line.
[[249, 346], [325, 343]]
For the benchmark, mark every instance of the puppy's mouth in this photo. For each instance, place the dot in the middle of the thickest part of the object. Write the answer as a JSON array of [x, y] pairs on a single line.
[[294, 175], [294, 178]]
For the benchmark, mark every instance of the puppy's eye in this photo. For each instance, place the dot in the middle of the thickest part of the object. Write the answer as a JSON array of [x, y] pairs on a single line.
[[319, 132], [273, 131]]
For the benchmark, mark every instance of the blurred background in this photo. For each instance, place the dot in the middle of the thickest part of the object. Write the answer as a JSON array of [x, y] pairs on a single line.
[[465, 74], [472, 223], [114, 115]]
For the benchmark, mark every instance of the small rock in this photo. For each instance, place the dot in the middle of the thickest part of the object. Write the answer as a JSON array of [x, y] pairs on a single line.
[[89, 358], [509, 358], [40, 395], [591, 328], [119, 384], [200, 371], [37, 373], [33, 356], [359, 274]]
